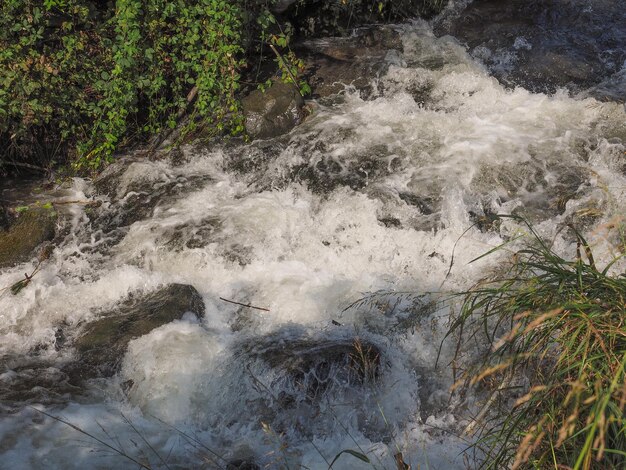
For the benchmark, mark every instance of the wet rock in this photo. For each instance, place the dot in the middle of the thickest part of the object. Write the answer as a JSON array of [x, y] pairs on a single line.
[[390, 222], [196, 234], [333, 64], [426, 205], [323, 173], [4, 218], [314, 366], [24, 381], [109, 182], [103, 342], [273, 112], [543, 45], [30, 229], [135, 189], [242, 464], [254, 158]]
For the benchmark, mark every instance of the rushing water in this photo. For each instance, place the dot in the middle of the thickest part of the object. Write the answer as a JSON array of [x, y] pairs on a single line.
[[365, 196]]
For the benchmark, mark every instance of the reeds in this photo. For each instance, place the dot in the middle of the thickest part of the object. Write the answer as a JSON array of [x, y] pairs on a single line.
[[557, 331]]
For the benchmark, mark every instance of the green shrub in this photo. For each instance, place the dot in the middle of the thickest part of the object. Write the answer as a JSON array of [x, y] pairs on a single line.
[[81, 81], [163, 50], [51, 58]]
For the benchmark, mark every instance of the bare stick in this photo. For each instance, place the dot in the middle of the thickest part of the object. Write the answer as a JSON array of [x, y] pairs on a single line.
[[244, 305], [280, 57], [161, 137]]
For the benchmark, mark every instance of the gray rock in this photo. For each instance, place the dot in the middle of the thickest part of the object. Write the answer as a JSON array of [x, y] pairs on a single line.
[[30, 229], [274, 112], [103, 342]]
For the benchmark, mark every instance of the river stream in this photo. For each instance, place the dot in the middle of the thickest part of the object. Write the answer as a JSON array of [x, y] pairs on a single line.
[[370, 195]]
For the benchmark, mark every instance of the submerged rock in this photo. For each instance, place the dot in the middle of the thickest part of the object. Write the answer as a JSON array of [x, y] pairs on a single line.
[[136, 188], [24, 380], [242, 464], [102, 345], [290, 379], [29, 230], [313, 367], [273, 112]]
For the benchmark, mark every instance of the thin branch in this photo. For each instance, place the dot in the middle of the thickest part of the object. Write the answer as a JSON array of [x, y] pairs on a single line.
[[244, 305], [280, 57]]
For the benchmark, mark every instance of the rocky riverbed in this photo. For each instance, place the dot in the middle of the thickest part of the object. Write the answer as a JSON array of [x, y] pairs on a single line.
[[201, 309]]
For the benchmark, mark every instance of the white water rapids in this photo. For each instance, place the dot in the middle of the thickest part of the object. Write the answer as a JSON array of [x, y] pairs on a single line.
[[365, 196]]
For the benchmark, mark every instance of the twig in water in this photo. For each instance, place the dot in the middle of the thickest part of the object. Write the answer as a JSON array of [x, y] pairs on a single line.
[[192, 440], [244, 305], [143, 438], [44, 254], [452, 257]]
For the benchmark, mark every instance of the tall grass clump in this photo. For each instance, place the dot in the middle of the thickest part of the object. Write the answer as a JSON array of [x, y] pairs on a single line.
[[557, 331]]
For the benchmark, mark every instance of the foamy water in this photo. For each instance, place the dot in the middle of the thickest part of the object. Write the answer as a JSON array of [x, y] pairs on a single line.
[[365, 196]]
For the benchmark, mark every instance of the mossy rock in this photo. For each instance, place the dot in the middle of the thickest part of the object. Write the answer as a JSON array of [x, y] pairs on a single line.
[[29, 230], [274, 112], [103, 344]]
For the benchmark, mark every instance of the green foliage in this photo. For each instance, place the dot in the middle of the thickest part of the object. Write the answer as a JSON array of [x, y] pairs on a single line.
[[51, 54], [278, 37], [334, 17], [354, 453], [557, 325], [163, 51], [86, 82]]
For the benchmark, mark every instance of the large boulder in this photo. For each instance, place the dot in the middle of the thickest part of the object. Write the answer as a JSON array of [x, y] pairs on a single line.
[[101, 346], [30, 229], [273, 112]]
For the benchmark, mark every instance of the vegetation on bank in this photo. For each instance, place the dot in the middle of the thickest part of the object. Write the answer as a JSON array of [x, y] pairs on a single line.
[[82, 79], [556, 366]]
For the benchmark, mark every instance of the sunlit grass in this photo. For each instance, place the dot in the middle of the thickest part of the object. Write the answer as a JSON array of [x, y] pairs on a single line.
[[557, 330]]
